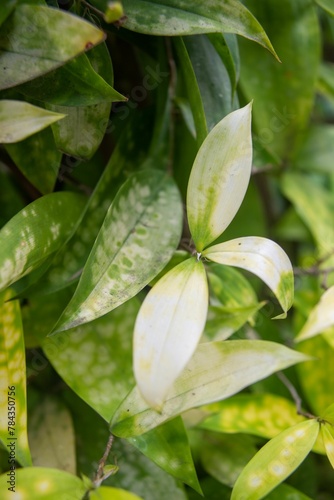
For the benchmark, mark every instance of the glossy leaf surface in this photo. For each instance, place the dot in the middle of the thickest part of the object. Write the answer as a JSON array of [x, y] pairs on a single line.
[[262, 257], [320, 318], [35, 233], [64, 37], [19, 120], [219, 177], [168, 328], [198, 386], [275, 461]]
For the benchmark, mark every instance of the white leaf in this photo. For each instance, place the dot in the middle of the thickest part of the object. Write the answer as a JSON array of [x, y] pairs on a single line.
[[321, 317], [168, 328], [220, 177], [262, 257]]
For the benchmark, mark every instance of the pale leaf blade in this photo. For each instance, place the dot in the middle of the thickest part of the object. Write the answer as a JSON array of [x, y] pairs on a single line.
[[19, 120], [262, 257], [276, 461], [110, 493], [216, 371], [219, 177], [320, 318], [168, 328], [136, 240], [328, 440]]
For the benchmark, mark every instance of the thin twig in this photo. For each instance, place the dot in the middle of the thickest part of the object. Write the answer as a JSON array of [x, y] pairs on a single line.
[[171, 92], [100, 471], [295, 396]]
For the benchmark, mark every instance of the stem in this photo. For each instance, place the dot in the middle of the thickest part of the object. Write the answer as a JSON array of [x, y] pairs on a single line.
[[100, 473], [295, 396]]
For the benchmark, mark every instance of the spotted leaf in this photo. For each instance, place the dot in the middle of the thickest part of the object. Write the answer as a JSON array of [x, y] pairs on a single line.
[[37, 231], [219, 177], [168, 328], [276, 461], [136, 240], [216, 371], [320, 318], [262, 257]]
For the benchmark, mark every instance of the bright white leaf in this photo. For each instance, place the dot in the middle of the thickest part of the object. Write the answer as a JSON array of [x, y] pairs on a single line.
[[216, 371], [320, 318], [168, 328], [328, 440], [19, 120], [219, 177], [262, 257], [275, 461]]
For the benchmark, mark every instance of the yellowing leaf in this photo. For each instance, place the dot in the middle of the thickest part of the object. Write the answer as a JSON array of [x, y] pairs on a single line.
[[108, 493], [216, 371], [262, 257], [219, 177], [320, 318], [276, 461], [327, 435], [168, 328], [19, 120]]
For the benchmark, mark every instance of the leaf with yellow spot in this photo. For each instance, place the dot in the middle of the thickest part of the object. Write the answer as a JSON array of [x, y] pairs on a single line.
[[320, 318], [219, 177], [109, 493], [275, 461], [216, 371], [168, 328], [137, 239], [262, 257], [36, 232], [42, 482], [13, 399], [327, 434]]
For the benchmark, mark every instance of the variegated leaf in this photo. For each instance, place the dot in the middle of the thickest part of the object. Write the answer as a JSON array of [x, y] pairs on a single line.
[[276, 461], [168, 328], [219, 177], [36, 232], [262, 257], [137, 239], [216, 371], [320, 318]]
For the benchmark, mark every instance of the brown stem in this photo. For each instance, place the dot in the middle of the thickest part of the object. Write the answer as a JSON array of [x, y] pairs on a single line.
[[295, 396], [100, 473]]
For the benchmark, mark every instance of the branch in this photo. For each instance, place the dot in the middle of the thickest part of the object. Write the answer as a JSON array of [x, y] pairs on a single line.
[[295, 396], [102, 474]]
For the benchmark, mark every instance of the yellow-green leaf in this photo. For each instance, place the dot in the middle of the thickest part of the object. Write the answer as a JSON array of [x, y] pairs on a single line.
[[108, 493], [327, 435], [320, 318]]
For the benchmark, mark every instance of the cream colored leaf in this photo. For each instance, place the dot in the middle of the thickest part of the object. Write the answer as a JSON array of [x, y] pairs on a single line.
[[321, 317]]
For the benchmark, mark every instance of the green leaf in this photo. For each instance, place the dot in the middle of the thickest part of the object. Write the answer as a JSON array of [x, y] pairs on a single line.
[[283, 93], [177, 17], [219, 177], [59, 36], [328, 414], [6, 8], [167, 445], [326, 80], [327, 435], [327, 5], [262, 257], [108, 493], [276, 461], [42, 482], [51, 436], [316, 152], [320, 318], [286, 492], [193, 91], [168, 328], [135, 242], [37, 231], [20, 119], [38, 159], [199, 385], [13, 403]]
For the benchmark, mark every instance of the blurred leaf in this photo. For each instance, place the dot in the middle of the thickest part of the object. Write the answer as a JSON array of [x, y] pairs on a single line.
[[168, 328], [38, 159], [89, 122], [167, 445], [51, 436], [316, 153], [107, 493], [59, 36], [11, 198], [198, 386], [33, 234], [320, 318], [19, 120], [224, 321], [262, 257], [327, 5], [328, 414], [6, 8], [283, 93], [40, 483], [286, 492], [219, 177], [135, 242], [176, 17], [328, 438], [326, 80], [13, 403], [276, 461]]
